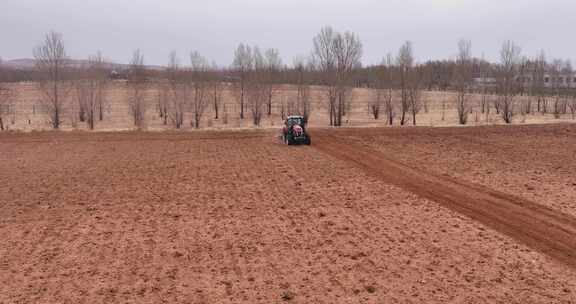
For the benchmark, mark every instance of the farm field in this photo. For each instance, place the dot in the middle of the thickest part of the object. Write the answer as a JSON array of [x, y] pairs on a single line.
[[367, 215]]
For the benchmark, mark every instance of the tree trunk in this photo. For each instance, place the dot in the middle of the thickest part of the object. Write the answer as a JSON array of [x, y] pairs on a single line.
[[91, 120], [331, 113], [56, 122], [241, 101], [100, 111], [403, 118], [56, 118], [81, 113], [215, 107], [270, 103], [375, 112]]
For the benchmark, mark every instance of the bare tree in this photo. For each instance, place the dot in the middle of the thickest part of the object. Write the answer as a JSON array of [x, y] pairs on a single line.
[[137, 84], [200, 98], [337, 55], [101, 73], [90, 87], [303, 101], [572, 106], [405, 61], [99, 87], [179, 102], [539, 82], [520, 83], [51, 62], [462, 78], [80, 88], [348, 51], [568, 73], [273, 66], [177, 94], [284, 107], [6, 106], [242, 65], [163, 100], [483, 67], [414, 94], [216, 88], [168, 88], [375, 104], [388, 87], [257, 88], [556, 86], [302, 104], [325, 61], [509, 60], [82, 94], [257, 99], [561, 74], [382, 90]]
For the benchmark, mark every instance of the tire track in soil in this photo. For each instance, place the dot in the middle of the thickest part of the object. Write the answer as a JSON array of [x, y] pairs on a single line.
[[539, 227]]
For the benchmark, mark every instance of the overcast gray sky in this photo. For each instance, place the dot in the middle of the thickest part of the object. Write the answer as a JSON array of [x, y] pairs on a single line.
[[216, 27]]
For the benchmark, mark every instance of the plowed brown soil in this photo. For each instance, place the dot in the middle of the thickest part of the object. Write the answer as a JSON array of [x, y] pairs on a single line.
[[237, 217]]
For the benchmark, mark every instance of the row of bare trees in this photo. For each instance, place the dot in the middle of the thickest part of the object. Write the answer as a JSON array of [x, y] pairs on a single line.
[[186, 91], [509, 87], [90, 88], [6, 106], [397, 83], [83, 91], [518, 82], [86, 85], [301, 105], [255, 80]]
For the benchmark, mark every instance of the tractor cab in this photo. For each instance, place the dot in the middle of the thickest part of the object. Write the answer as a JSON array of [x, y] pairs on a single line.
[[294, 120]]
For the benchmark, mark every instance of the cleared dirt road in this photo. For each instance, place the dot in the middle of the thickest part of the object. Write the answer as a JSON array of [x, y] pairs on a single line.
[[538, 226]]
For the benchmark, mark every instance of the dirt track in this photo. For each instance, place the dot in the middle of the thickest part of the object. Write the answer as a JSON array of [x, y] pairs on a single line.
[[533, 224], [237, 217]]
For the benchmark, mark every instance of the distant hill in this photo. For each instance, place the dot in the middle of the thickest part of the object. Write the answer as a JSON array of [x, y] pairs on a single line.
[[28, 63], [24, 63]]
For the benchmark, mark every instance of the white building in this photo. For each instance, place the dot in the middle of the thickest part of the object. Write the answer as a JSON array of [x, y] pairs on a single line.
[[563, 81]]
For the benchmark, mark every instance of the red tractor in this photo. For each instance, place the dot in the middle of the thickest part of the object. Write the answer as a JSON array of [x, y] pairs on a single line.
[[294, 131]]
